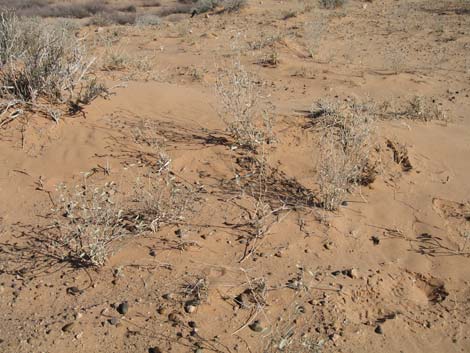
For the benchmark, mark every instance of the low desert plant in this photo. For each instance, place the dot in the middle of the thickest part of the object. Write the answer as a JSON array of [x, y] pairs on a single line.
[[88, 221], [419, 108], [313, 33], [148, 20], [41, 61], [331, 4], [240, 100], [346, 146]]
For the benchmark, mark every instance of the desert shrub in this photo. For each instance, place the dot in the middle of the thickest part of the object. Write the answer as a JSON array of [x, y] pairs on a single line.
[[68, 10], [150, 3], [233, 5], [417, 108], [241, 111], [346, 146], [128, 8], [40, 60], [89, 219], [177, 9], [148, 20], [331, 4]]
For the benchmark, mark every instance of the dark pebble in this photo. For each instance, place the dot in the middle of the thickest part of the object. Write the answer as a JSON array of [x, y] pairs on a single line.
[[123, 308], [68, 327], [256, 326], [153, 253], [379, 330], [375, 240], [154, 350], [74, 291]]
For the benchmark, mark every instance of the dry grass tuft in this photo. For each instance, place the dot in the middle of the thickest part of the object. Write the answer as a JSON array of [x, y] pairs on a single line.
[[346, 146], [88, 220], [240, 99], [42, 63]]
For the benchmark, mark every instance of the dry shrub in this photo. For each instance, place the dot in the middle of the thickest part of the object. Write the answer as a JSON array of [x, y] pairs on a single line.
[[41, 61], [346, 146], [417, 108], [160, 199], [331, 4], [242, 112], [89, 220]]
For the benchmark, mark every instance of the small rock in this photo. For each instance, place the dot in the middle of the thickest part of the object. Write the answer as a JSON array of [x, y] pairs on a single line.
[[162, 310], [256, 326], [123, 308], [189, 308], [153, 253], [113, 321], [329, 245], [167, 296], [155, 350], [344, 203], [175, 318], [192, 324], [375, 240], [379, 330], [74, 291], [68, 327], [334, 337], [354, 273]]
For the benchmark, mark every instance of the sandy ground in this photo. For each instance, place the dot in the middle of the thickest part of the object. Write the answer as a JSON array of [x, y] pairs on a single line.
[[387, 272]]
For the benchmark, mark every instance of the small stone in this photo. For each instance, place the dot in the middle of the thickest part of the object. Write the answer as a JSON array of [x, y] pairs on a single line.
[[344, 203], [354, 273], [189, 308], [174, 317], [328, 245], [155, 350], [74, 291], [379, 330], [179, 233], [68, 327], [193, 332], [162, 310], [375, 240], [256, 326], [167, 296], [113, 321], [334, 337], [123, 308], [192, 324], [153, 253]]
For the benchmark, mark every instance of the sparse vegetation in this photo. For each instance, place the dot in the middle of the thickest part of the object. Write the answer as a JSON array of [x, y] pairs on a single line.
[[346, 145], [88, 222], [42, 62], [242, 111], [331, 4]]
